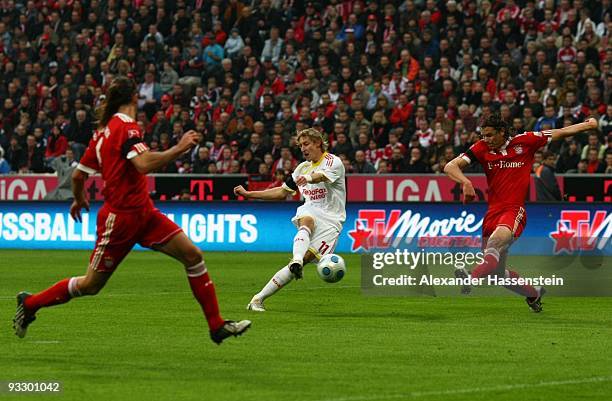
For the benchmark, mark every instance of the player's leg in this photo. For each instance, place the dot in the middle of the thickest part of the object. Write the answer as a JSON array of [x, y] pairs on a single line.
[[323, 241], [301, 243], [497, 243], [527, 291], [280, 279], [59, 293], [111, 247], [181, 248], [533, 295]]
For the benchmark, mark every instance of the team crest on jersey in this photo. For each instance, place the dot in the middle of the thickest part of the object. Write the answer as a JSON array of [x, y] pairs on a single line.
[[133, 133], [518, 149], [108, 262]]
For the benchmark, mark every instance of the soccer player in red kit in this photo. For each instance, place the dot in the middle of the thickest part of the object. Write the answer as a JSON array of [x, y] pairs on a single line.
[[128, 216], [507, 161]]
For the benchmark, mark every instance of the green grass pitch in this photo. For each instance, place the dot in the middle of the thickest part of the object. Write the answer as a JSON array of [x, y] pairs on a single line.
[[144, 338]]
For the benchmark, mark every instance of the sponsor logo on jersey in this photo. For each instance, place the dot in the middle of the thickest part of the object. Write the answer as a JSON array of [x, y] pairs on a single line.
[[380, 229], [315, 193], [504, 164], [581, 230]]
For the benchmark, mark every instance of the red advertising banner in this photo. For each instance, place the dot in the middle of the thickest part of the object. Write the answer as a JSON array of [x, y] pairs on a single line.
[[409, 188], [413, 188], [36, 187], [25, 187], [361, 188]]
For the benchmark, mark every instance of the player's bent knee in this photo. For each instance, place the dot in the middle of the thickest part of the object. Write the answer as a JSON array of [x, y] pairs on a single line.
[[308, 222], [191, 256], [497, 242], [309, 257]]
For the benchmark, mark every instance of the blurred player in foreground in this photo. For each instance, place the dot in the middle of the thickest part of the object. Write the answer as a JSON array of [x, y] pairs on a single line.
[[319, 220], [507, 161], [127, 216]]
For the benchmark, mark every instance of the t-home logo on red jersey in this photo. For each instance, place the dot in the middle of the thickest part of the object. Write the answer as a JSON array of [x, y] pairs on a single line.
[[582, 230], [375, 228], [504, 164]]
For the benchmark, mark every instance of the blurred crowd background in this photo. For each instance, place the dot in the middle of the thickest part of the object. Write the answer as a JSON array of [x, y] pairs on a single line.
[[398, 86]]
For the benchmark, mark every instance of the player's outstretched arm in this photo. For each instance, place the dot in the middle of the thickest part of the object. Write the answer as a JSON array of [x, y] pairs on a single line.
[[278, 193], [78, 190], [454, 169], [314, 178], [151, 161], [560, 133]]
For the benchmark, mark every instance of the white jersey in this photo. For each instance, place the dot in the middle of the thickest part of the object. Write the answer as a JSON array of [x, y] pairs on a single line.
[[326, 199]]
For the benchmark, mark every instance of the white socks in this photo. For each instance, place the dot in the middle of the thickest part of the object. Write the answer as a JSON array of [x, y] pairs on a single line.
[[301, 243], [73, 287], [280, 279]]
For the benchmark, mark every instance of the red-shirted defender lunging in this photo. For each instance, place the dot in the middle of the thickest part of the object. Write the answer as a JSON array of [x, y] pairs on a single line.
[[127, 216], [507, 161]]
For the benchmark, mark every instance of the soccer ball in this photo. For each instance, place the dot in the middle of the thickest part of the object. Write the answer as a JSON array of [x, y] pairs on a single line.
[[331, 268]]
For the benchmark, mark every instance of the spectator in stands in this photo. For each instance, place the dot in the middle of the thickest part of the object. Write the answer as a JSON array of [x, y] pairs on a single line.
[[5, 167], [200, 164], [608, 159], [593, 143], [16, 155], [416, 164], [594, 164], [79, 133], [569, 158], [249, 164], [547, 188], [548, 120], [288, 67], [361, 165], [57, 144], [35, 156]]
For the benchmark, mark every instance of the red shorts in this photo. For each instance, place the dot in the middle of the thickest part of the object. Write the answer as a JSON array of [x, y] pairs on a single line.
[[118, 233], [513, 217]]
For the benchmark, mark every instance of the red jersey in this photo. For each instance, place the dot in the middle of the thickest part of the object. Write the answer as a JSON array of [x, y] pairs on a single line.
[[509, 168], [109, 153]]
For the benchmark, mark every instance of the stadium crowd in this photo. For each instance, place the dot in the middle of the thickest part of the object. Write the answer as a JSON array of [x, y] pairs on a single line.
[[398, 86]]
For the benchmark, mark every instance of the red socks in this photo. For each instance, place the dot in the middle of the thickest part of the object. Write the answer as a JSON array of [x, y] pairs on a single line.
[[55, 295], [488, 266], [524, 290], [199, 281], [204, 291]]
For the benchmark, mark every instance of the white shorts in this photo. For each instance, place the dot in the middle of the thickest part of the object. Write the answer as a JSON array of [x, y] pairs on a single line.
[[326, 231]]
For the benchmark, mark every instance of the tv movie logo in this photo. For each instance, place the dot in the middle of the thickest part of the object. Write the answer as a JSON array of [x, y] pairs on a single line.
[[578, 231], [379, 229]]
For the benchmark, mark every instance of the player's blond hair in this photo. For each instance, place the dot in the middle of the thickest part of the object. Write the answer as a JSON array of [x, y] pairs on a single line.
[[315, 135]]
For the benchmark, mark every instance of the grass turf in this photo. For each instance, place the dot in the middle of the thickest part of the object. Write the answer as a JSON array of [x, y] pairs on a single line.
[[144, 338]]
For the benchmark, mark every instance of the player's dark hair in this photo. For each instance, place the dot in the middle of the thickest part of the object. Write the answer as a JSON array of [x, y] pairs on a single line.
[[495, 120], [119, 93]]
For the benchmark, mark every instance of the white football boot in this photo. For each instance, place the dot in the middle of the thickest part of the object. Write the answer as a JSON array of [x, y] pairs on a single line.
[[256, 305]]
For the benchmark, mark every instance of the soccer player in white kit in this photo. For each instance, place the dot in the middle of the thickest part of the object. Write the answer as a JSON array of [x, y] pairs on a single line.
[[319, 220]]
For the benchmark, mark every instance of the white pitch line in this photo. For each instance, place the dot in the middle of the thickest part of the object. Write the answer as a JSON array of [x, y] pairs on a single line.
[[506, 387], [45, 342], [133, 294]]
